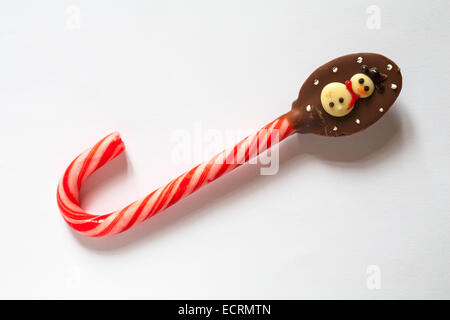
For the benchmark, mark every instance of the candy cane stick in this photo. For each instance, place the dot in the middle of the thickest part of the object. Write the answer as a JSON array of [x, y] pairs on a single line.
[[118, 221]]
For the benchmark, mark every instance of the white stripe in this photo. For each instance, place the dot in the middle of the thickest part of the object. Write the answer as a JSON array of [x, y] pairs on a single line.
[[174, 190], [148, 206], [102, 225], [72, 174], [194, 179], [126, 217], [65, 199], [98, 156]]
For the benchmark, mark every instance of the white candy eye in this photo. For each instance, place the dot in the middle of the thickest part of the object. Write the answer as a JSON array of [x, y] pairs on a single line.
[[335, 99], [362, 85]]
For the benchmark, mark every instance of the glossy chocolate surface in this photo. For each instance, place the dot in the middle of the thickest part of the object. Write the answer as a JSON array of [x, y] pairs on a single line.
[[308, 115]]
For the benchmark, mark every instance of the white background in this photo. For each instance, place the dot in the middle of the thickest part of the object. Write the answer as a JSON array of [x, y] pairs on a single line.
[[148, 68]]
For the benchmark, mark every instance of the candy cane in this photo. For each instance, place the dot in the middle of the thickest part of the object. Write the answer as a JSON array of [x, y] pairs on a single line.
[[325, 106], [118, 221]]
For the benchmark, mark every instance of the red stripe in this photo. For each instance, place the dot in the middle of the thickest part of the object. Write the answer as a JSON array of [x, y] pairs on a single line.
[[87, 161], [78, 215], [183, 186], [250, 144], [273, 133], [221, 171], [167, 193], [109, 153], [88, 225], [203, 176], [113, 223], [138, 212], [162, 194], [84, 227], [65, 183]]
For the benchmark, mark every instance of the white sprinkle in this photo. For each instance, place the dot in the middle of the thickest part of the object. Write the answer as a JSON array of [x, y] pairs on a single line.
[[335, 69], [381, 109], [335, 128], [308, 108], [393, 86], [316, 82], [357, 121], [359, 60], [389, 67]]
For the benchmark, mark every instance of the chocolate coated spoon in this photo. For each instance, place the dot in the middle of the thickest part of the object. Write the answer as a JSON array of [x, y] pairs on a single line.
[[342, 97]]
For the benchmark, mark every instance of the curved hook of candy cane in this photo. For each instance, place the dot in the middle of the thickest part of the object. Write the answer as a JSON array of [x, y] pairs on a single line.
[[118, 221]]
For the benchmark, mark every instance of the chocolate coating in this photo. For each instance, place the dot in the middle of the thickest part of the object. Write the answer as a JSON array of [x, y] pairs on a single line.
[[365, 112]]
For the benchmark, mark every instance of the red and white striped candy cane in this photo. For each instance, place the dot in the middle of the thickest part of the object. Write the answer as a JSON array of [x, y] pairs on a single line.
[[118, 221]]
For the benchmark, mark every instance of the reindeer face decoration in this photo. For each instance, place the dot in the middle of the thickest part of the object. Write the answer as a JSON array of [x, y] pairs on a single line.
[[338, 99]]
